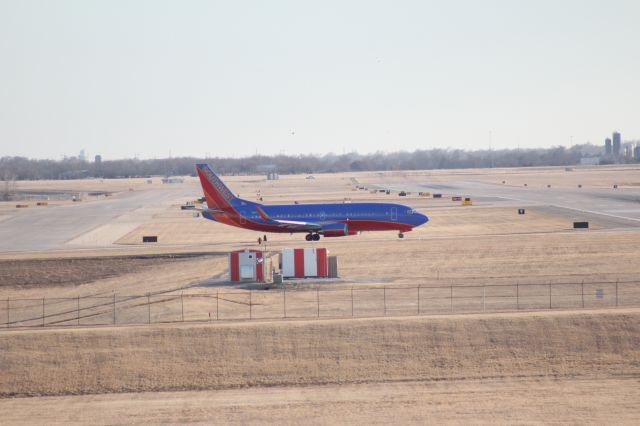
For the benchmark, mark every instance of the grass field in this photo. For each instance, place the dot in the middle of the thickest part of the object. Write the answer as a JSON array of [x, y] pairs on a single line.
[[458, 402], [507, 368], [566, 366]]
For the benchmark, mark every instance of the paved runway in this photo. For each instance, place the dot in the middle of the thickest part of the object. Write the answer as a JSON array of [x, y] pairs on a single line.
[[52, 227], [615, 207]]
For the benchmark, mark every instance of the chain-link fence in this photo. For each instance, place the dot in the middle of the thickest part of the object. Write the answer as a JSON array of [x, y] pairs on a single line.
[[312, 302]]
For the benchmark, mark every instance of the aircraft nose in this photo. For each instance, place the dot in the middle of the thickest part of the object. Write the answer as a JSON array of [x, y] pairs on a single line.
[[423, 219]]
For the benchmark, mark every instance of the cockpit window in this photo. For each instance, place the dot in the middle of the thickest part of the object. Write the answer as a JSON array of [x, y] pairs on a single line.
[[412, 211]]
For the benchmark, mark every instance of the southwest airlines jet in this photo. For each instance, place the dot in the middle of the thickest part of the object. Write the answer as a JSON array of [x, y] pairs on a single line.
[[330, 220]]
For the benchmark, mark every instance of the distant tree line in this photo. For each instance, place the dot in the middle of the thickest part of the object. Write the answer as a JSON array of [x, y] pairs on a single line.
[[22, 168]]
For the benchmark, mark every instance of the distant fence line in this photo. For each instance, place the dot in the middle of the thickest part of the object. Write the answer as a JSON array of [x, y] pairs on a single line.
[[318, 302]]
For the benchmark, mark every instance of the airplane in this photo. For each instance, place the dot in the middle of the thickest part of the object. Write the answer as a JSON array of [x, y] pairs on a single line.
[[329, 220]]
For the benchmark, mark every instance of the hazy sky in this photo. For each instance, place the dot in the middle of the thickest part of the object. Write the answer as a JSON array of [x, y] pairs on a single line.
[[125, 78]]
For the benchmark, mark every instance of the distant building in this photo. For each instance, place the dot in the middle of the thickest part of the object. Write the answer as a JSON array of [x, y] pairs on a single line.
[[607, 146], [636, 152], [590, 161], [98, 159], [173, 180], [82, 155], [616, 144]]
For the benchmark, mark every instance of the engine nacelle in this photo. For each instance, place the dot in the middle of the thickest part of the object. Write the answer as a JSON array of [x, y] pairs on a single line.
[[335, 230]]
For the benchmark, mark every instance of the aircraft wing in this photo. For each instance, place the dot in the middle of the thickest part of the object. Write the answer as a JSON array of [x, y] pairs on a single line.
[[293, 225], [206, 209]]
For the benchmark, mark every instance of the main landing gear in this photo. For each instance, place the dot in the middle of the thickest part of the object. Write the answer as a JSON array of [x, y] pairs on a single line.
[[312, 237], [400, 235]]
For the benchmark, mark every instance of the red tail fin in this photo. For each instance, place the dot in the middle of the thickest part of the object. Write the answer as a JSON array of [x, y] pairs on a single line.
[[217, 194]]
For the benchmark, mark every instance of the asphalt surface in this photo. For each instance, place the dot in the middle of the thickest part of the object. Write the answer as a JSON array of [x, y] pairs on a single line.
[[613, 207], [55, 228], [51, 228]]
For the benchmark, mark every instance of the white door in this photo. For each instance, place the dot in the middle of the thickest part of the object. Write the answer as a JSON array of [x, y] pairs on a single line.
[[394, 213], [288, 263], [310, 263]]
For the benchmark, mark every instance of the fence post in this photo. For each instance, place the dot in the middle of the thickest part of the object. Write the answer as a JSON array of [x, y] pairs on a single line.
[[384, 295], [114, 309], [418, 299], [616, 294], [483, 297], [148, 308], [451, 297], [250, 306], [43, 311], [318, 300], [78, 310], [549, 295], [352, 302], [517, 296], [284, 301], [182, 304], [582, 286]]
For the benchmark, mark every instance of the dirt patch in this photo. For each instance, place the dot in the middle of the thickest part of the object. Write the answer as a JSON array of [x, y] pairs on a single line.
[[33, 273]]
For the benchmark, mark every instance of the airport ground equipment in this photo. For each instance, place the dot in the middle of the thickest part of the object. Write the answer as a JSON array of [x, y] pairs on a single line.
[[520, 211], [580, 225], [467, 201], [247, 266], [456, 198], [305, 263], [333, 266], [150, 239]]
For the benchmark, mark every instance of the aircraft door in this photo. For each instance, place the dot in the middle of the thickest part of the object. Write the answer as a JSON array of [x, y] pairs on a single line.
[[394, 213], [243, 221]]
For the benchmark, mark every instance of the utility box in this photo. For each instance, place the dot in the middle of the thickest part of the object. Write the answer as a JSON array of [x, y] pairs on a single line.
[[247, 266], [467, 201], [333, 266], [304, 263]]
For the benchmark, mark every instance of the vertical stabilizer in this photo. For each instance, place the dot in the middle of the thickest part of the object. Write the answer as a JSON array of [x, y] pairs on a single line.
[[216, 193]]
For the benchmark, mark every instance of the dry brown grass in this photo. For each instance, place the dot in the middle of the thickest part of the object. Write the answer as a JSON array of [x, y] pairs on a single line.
[[576, 367], [458, 402], [190, 357]]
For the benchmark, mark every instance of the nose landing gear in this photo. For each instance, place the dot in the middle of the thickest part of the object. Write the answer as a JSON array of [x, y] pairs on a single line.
[[400, 235]]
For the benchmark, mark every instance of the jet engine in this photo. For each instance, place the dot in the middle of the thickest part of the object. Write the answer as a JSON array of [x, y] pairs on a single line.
[[334, 230]]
